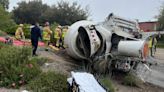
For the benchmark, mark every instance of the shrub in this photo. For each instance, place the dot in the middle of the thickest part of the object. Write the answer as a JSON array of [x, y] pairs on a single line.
[[131, 80], [15, 67], [3, 33], [106, 82], [26, 30], [160, 39], [2, 45], [6, 23], [53, 26], [48, 82], [10, 28], [160, 45]]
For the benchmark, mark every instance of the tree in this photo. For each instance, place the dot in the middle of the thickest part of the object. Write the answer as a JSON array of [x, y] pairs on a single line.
[[4, 3], [161, 19], [29, 12], [161, 24], [67, 13], [6, 23], [63, 13]]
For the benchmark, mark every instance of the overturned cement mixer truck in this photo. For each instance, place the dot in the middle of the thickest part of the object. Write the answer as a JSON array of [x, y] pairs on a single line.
[[110, 43]]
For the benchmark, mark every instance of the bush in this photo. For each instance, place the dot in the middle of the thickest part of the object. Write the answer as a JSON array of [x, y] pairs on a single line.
[[48, 82], [3, 33], [160, 45], [10, 28], [6, 23], [131, 80], [15, 67], [26, 30], [2, 45], [106, 82]]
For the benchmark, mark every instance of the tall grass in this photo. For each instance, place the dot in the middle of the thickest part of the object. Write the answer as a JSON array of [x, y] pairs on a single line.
[[48, 82], [107, 83], [15, 67], [18, 68]]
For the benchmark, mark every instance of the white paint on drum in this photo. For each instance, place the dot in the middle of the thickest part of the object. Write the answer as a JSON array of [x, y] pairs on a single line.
[[131, 48]]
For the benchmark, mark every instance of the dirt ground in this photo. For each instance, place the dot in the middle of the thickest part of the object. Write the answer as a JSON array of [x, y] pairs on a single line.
[[145, 88], [61, 62], [58, 61], [160, 55]]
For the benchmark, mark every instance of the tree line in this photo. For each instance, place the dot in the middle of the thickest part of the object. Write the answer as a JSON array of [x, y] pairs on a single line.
[[63, 12]]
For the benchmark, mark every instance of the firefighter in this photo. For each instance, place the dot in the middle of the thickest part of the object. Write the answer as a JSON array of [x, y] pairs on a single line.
[[150, 46], [47, 34], [154, 44], [19, 34], [57, 35], [64, 31]]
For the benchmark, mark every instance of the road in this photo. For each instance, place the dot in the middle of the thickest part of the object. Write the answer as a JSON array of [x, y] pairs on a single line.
[[154, 79], [160, 55], [156, 76]]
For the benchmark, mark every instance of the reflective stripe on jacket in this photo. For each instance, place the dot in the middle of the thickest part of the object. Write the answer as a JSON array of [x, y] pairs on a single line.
[[150, 42], [64, 32], [57, 33]]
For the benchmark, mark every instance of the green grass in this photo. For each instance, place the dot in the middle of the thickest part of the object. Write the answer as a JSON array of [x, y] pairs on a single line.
[[48, 82], [3, 33], [16, 69], [160, 45], [107, 83], [39, 60], [131, 80]]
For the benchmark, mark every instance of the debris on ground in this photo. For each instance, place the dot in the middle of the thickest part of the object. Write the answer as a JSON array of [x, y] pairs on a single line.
[[84, 82]]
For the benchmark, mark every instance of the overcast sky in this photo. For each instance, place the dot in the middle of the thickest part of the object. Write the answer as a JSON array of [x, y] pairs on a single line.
[[144, 10]]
